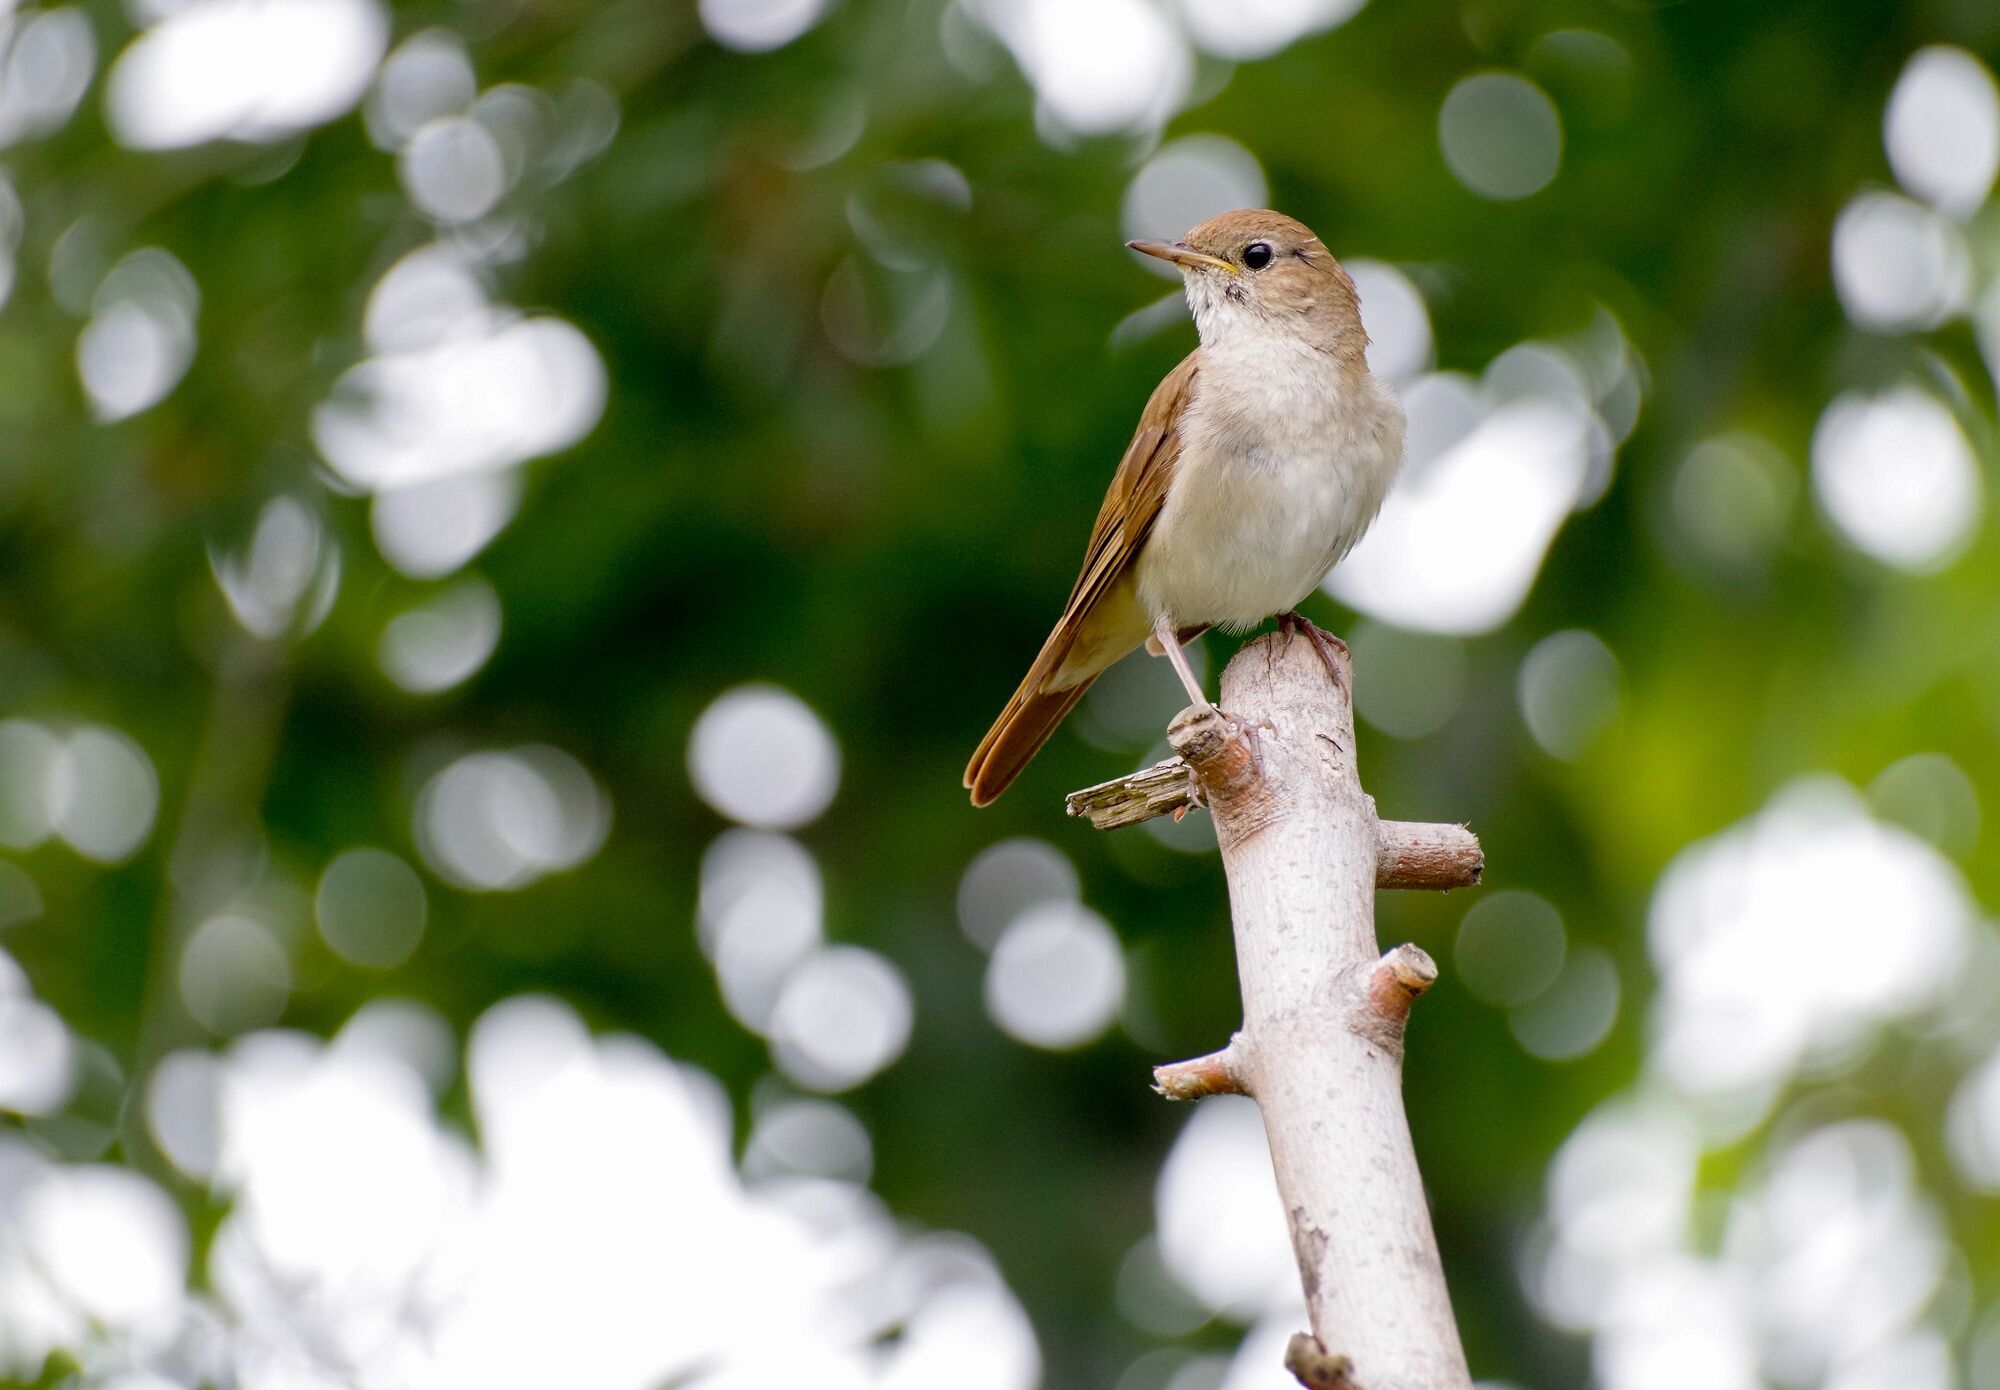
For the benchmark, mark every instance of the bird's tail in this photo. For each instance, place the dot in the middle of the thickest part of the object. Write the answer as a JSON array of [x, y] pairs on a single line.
[[1082, 647], [1018, 734]]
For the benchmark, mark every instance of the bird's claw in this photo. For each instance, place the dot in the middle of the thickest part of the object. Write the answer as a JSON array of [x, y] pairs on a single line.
[[1324, 643]]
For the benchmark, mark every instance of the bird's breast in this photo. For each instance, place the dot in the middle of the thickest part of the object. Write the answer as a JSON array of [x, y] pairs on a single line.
[[1278, 476]]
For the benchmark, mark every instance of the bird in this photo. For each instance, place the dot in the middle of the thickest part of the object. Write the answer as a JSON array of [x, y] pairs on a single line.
[[1257, 465]]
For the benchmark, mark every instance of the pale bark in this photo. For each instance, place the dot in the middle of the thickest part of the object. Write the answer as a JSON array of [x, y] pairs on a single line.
[[1408, 854], [1322, 1040]]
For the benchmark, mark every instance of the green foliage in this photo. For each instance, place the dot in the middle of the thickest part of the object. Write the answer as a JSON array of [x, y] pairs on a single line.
[[762, 502]]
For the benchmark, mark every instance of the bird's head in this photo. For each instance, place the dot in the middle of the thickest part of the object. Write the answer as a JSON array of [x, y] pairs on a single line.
[[1254, 270]]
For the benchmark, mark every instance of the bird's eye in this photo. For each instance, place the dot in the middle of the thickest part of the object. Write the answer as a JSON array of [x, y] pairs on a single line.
[[1257, 254]]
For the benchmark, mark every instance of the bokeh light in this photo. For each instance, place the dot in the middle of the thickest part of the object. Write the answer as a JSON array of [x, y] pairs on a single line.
[[1847, 1250], [842, 1016], [1932, 796], [28, 753], [427, 77], [1500, 135], [1492, 469], [1827, 1260], [141, 334], [290, 1112], [246, 771], [37, 1063], [1510, 947], [502, 820], [1942, 128], [757, 26], [1415, 680], [1128, 704], [899, 206], [1097, 66], [288, 574], [1793, 934], [1570, 688], [1896, 477], [1575, 1014], [371, 908], [243, 70], [1245, 30], [761, 756], [760, 915], [1222, 1230], [489, 398], [95, 788], [362, 1230], [1057, 977], [407, 1033], [13, 224], [453, 169], [1731, 500], [443, 641], [884, 316], [1150, 1298], [457, 388], [1898, 265], [428, 530], [47, 57], [808, 1138], [110, 1245], [1008, 879], [235, 974], [1973, 1126], [184, 1111], [1462, 536]]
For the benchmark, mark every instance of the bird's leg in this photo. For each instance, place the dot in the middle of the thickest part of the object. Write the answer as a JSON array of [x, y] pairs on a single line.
[[1168, 636], [1290, 622]]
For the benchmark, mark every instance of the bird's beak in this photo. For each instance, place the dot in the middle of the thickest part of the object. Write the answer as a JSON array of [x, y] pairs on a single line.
[[1181, 254]]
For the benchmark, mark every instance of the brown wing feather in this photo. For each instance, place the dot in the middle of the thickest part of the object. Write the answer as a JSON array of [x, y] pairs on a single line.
[[1102, 605]]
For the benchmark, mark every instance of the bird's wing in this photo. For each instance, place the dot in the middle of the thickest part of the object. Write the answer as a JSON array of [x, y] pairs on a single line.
[[1137, 492], [1102, 620]]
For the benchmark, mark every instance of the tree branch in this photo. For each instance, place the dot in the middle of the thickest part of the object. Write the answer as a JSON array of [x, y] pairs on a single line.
[[1162, 789], [1408, 854], [1217, 1074], [1414, 854], [1307, 1360], [1323, 1010]]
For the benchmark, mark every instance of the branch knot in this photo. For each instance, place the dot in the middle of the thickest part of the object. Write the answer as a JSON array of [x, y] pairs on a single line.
[[1391, 985], [1317, 1368], [1221, 1073]]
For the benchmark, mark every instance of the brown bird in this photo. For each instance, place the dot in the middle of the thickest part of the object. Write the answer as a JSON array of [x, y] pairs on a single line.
[[1259, 461]]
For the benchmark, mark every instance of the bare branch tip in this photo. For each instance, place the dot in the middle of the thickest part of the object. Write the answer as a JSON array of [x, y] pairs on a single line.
[[1403, 973], [1217, 1074], [1315, 1367], [1199, 734], [1165, 788], [1414, 854], [1408, 966]]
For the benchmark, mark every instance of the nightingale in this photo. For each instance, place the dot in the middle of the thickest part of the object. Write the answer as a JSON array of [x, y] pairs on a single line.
[[1259, 461]]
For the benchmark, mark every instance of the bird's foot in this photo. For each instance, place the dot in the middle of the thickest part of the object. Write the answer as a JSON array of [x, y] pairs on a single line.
[[1325, 643]]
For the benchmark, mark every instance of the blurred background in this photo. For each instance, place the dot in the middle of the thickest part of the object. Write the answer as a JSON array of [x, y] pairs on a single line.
[[513, 514]]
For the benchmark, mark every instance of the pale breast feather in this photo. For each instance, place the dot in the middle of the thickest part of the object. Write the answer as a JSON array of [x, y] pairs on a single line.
[[1274, 485]]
